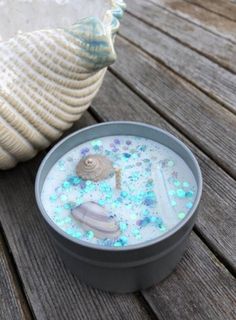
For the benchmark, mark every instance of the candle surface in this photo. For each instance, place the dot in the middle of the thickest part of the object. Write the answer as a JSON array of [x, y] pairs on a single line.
[[155, 191]]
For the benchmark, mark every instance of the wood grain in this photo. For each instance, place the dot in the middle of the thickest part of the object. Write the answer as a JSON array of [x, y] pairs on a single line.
[[216, 221], [200, 284], [207, 20], [206, 43], [200, 289], [144, 89], [53, 292], [211, 127], [208, 76], [221, 7], [12, 304]]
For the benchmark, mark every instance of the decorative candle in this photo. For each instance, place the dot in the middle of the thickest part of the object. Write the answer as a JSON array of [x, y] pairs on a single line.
[[141, 189], [120, 200]]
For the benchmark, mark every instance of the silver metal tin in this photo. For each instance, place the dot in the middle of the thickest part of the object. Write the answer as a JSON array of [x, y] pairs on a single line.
[[125, 269]]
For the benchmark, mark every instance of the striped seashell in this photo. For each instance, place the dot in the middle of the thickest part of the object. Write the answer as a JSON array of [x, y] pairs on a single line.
[[94, 167], [48, 78], [93, 217]]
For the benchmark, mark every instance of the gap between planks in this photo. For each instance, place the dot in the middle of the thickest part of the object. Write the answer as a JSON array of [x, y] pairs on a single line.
[[222, 8], [53, 292], [231, 108], [211, 46], [132, 107], [58, 293], [206, 20], [159, 297], [222, 259], [168, 299], [209, 76], [140, 87], [17, 305], [197, 230]]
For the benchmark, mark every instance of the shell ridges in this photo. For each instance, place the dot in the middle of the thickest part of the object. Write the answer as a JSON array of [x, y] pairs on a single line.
[[48, 79]]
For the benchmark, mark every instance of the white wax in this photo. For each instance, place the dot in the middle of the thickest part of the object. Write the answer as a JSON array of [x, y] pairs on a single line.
[[157, 189]]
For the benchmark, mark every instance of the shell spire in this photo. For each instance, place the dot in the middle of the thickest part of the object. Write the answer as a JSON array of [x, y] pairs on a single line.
[[96, 40], [95, 168]]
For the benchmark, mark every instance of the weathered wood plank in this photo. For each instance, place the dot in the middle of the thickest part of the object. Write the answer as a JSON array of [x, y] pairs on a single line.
[[212, 46], [12, 304], [200, 289], [53, 292], [214, 80], [207, 20], [221, 7], [217, 220], [210, 126]]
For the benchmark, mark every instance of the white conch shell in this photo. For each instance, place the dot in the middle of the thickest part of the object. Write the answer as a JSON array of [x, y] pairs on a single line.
[[48, 79], [94, 167]]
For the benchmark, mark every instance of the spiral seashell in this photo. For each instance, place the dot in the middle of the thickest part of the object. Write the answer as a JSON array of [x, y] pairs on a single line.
[[94, 167], [93, 217], [48, 78]]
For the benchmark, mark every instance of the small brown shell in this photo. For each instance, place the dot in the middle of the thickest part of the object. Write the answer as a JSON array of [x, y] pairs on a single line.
[[94, 167]]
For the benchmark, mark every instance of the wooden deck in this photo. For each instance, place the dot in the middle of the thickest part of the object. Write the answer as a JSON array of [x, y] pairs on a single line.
[[176, 69]]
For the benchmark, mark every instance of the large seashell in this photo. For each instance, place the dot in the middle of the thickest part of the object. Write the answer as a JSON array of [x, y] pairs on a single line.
[[92, 216], [48, 78], [94, 167]]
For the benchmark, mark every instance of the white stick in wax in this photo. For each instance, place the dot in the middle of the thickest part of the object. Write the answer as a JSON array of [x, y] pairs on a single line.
[[166, 211]]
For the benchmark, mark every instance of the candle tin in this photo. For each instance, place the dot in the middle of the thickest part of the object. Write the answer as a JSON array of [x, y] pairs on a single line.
[[131, 268]]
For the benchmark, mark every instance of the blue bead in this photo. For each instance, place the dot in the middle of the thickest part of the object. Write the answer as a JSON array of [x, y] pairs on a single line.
[[123, 240], [171, 192], [124, 194], [63, 197], [76, 180], [159, 222], [123, 226], [145, 222], [145, 212], [173, 203], [127, 155], [89, 234], [189, 205], [189, 194], [53, 197], [180, 193], [66, 185], [101, 202], [77, 234], [185, 184], [135, 232], [177, 183], [69, 205], [58, 210], [118, 244], [142, 148], [97, 143], [61, 165], [153, 219]]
